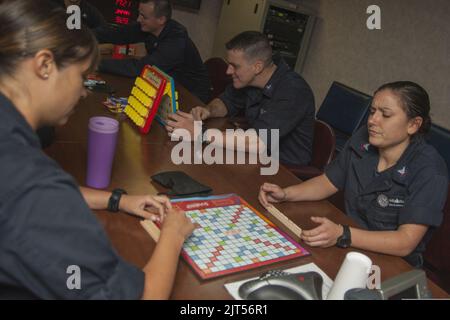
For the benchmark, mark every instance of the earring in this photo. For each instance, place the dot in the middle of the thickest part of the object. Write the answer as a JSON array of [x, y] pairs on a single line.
[[46, 76]]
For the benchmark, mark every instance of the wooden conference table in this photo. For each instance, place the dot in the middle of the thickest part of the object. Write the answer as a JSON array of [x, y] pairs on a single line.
[[138, 157]]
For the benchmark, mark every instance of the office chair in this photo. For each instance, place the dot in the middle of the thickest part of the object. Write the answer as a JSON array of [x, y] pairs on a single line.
[[439, 138], [436, 258], [323, 147], [345, 110], [217, 71]]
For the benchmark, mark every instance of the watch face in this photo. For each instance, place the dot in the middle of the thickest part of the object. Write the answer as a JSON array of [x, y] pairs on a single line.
[[345, 240], [343, 243]]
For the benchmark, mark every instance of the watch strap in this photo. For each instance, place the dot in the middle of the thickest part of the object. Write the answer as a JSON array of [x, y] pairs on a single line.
[[114, 199], [345, 240]]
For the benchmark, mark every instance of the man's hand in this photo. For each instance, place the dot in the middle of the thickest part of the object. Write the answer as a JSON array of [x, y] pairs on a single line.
[[200, 113], [149, 207], [325, 235], [181, 120]]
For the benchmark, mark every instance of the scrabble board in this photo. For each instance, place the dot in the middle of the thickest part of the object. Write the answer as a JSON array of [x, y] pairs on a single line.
[[152, 96], [232, 237]]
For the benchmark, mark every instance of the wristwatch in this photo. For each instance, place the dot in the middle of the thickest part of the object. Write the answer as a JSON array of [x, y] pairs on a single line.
[[345, 240], [114, 200]]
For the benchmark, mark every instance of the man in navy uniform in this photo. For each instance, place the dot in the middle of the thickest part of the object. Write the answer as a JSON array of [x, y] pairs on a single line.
[[268, 93], [168, 46]]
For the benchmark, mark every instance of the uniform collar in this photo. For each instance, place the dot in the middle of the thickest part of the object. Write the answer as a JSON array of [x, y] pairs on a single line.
[[172, 27], [360, 143], [368, 160], [256, 94], [15, 124], [278, 75], [401, 172], [365, 165]]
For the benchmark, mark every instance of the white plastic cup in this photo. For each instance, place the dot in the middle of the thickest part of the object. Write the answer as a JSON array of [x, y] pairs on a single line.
[[353, 273]]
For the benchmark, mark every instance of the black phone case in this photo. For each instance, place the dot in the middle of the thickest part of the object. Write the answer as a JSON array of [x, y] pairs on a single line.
[[180, 184]]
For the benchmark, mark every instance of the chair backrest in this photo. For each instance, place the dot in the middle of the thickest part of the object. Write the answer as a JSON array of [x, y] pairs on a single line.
[[324, 145], [217, 71], [439, 138], [436, 256], [345, 110]]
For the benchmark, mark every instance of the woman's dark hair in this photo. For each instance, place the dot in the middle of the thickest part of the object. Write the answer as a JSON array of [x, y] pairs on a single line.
[[28, 26], [415, 101]]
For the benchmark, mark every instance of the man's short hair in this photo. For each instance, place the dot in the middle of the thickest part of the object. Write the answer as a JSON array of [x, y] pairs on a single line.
[[254, 44], [163, 8]]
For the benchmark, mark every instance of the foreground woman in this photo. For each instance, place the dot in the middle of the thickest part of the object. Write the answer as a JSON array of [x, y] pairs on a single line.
[[395, 184], [46, 226]]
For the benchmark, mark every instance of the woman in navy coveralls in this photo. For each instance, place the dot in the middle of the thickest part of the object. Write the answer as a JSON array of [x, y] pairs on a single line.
[[395, 184]]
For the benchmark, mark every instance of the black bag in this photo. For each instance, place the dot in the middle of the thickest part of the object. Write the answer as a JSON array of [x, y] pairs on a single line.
[[181, 184]]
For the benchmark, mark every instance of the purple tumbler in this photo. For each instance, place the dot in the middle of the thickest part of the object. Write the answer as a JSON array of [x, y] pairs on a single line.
[[101, 149]]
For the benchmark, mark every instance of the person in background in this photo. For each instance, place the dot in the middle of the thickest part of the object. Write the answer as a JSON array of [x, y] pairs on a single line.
[[168, 46], [395, 184], [268, 93], [46, 225], [91, 17]]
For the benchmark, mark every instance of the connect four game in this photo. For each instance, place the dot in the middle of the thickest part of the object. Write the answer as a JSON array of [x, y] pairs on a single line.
[[152, 96], [232, 237], [169, 101]]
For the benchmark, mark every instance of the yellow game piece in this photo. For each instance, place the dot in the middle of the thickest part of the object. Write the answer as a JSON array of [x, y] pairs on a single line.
[[154, 89]]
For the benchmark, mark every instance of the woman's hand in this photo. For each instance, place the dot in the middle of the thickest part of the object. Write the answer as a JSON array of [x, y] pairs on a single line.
[[149, 207], [177, 225], [271, 193], [325, 235]]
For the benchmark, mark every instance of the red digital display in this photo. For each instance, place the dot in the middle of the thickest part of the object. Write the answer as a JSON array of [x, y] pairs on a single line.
[[122, 11]]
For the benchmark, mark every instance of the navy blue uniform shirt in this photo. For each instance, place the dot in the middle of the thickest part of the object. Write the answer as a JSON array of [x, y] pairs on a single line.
[[172, 51], [46, 227], [413, 191], [286, 103]]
